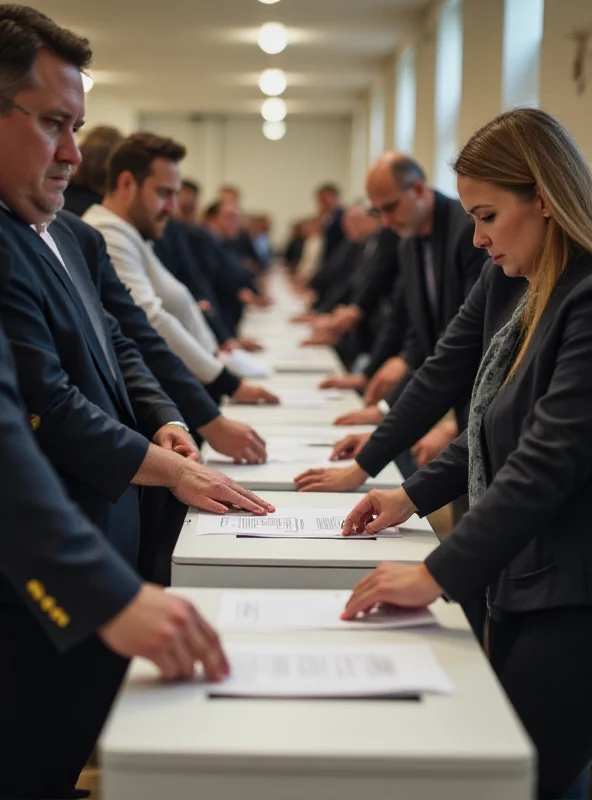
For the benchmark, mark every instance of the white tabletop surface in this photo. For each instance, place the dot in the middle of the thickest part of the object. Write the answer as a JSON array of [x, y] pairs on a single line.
[[226, 560], [280, 477], [171, 740], [284, 415]]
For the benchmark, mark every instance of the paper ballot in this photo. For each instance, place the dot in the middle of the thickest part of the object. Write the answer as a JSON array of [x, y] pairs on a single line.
[[304, 670], [288, 523], [255, 611]]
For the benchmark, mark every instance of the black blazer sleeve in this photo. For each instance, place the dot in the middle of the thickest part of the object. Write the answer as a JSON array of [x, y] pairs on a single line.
[[546, 470], [382, 273], [442, 382], [443, 480], [151, 406], [389, 341], [60, 567], [78, 436], [194, 402]]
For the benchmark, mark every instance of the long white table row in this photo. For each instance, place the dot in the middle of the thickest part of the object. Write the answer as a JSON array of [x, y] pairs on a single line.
[[175, 741]]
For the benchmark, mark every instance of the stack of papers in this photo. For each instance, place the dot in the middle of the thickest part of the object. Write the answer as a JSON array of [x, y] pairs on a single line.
[[308, 611], [326, 671], [289, 523]]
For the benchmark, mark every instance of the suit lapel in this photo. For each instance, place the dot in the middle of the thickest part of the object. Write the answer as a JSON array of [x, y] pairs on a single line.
[[34, 241], [566, 283]]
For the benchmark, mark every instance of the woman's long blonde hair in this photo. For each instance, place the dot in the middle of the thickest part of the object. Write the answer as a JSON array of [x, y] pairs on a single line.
[[527, 151]]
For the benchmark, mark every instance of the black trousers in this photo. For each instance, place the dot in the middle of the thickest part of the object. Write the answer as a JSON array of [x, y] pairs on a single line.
[[162, 518], [544, 662], [52, 707]]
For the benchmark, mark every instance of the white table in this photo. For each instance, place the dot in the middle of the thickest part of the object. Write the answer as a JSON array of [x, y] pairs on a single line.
[[280, 477], [226, 560], [173, 741]]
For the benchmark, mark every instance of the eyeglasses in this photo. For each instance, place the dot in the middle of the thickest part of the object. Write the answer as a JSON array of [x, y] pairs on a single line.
[[10, 103]]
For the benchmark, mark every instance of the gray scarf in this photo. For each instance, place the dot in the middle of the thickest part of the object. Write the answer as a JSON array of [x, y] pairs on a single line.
[[492, 372]]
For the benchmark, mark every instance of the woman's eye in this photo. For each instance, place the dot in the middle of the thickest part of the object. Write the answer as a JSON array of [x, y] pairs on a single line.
[[488, 218]]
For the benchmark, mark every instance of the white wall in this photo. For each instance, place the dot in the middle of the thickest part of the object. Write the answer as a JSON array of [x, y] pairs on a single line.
[[275, 177], [104, 107]]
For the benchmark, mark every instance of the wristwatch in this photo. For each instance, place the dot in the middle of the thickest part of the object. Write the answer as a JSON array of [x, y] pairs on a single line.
[[383, 407], [180, 424]]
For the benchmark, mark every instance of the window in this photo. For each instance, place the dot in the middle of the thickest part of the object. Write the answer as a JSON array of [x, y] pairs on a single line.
[[405, 101], [523, 34], [448, 92]]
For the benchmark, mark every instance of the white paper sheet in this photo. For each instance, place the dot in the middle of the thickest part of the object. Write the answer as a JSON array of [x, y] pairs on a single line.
[[255, 611], [247, 366], [307, 398], [285, 450], [288, 523], [305, 670]]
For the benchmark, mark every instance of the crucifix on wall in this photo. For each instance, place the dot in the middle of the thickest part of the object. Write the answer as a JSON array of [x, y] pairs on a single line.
[[583, 40]]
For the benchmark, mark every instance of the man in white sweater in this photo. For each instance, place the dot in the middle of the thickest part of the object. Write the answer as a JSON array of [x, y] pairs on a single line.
[[143, 183]]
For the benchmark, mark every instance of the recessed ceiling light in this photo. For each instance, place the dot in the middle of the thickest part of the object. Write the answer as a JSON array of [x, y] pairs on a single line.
[[274, 109], [272, 38], [274, 130], [273, 81], [269, 2], [87, 81]]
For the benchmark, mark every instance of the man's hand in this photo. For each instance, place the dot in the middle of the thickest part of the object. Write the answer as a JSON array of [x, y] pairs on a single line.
[[345, 318], [407, 585], [205, 305], [378, 510], [247, 394], [341, 479], [432, 444], [384, 381], [168, 631], [210, 490], [236, 440], [349, 446], [174, 438], [325, 337], [306, 316], [229, 345], [248, 344], [356, 382], [371, 415]]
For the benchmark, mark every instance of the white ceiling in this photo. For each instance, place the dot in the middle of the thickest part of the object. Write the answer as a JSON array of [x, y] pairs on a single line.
[[201, 56]]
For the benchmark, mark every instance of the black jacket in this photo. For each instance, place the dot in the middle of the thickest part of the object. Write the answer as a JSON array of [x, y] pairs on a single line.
[[92, 427], [445, 380], [46, 543], [528, 537], [457, 265], [194, 402]]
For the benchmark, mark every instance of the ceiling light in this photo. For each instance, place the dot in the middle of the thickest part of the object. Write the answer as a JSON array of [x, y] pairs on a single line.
[[269, 2], [87, 81], [274, 130], [273, 81], [272, 38], [273, 109]]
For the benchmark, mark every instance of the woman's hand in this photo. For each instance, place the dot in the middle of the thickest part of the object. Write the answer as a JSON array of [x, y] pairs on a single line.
[[407, 585], [378, 510]]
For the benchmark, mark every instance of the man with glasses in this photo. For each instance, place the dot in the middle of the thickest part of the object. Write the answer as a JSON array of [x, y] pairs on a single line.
[[438, 267]]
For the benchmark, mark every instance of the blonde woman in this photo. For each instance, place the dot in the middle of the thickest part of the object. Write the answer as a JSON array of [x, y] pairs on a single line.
[[526, 456]]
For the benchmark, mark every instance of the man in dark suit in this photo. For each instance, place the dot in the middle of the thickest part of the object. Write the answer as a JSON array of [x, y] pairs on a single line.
[[72, 380], [328, 199]]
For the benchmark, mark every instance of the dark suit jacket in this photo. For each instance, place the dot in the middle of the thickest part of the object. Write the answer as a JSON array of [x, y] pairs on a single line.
[[528, 537], [86, 422], [175, 251], [446, 379], [47, 548], [457, 265], [342, 266], [188, 394], [224, 271], [78, 199], [334, 234]]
